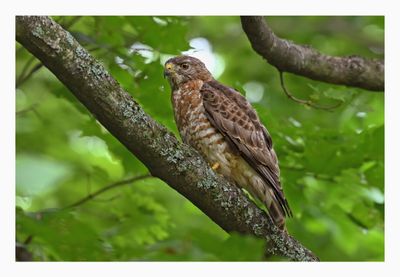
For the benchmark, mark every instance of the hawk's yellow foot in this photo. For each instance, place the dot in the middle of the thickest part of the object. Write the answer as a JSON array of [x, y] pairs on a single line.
[[215, 166]]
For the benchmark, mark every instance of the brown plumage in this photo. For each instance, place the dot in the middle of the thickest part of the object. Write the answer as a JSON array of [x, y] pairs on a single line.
[[222, 125]]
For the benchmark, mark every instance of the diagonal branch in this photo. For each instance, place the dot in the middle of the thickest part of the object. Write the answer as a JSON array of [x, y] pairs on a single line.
[[106, 188], [179, 165], [351, 71]]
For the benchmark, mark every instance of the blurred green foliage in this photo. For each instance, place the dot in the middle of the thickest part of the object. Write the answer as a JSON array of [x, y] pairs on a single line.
[[332, 164]]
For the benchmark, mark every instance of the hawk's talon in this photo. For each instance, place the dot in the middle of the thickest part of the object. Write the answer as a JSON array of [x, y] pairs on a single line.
[[215, 166]]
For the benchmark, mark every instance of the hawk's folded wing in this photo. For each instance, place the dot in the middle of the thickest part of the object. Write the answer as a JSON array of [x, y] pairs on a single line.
[[235, 118]]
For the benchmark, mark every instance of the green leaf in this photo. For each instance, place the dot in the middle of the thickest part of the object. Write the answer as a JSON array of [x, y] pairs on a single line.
[[60, 236]]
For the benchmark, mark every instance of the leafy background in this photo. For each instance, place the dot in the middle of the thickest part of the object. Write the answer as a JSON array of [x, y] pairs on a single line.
[[331, 162]]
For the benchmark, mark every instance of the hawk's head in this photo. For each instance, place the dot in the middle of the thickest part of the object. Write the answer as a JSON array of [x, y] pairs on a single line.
[[181, 69]]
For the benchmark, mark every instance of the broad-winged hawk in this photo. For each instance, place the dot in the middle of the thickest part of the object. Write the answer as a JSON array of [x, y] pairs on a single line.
[[222, 125]]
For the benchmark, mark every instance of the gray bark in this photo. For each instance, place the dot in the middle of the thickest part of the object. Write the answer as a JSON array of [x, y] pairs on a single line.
[[286, 56]]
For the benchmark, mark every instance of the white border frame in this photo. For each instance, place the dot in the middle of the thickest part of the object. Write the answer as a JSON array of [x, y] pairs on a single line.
[[199, 7]]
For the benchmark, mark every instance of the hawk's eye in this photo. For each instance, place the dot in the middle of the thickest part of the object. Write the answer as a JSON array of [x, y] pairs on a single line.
[[185, 66]]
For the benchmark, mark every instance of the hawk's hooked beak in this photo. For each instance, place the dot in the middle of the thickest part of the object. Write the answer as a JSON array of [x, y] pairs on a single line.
[[169, 68]]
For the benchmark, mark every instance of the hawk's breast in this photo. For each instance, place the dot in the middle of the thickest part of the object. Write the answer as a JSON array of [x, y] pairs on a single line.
[[197, 131]]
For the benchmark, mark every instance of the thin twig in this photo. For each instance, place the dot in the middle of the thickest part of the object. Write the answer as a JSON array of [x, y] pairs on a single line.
[[106, 188], [308, 103], [21, 80], [25, 69]]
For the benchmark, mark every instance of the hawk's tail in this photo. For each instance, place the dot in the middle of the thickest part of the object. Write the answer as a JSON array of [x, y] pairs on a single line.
[[275, 212], [266, 194]]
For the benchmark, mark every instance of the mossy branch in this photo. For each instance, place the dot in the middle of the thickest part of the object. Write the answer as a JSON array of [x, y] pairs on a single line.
[[179, 165], [305, 61]]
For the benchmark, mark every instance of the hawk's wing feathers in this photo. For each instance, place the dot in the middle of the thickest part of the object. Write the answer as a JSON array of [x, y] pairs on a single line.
[[235, 118]]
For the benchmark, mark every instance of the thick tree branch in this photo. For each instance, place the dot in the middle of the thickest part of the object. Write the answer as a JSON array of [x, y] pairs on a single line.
[[179, 165], [24, 75], [351, 71]]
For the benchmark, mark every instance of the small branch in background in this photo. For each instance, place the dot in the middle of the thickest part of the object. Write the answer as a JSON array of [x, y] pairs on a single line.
[[25, 69], [306, 61], [22, 78], [308, 103], [106, 188]]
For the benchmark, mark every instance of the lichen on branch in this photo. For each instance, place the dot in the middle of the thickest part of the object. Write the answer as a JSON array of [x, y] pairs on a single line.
[[302, 60]]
